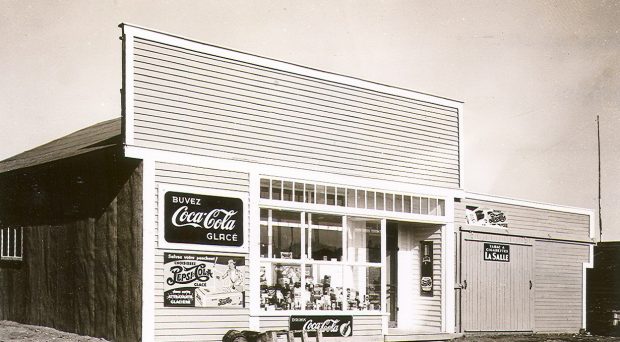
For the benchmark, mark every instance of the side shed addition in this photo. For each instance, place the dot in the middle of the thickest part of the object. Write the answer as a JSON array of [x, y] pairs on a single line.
[[522, 265], [71, 229]]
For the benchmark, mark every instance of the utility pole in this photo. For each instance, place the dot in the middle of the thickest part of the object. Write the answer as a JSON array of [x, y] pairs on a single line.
[[600, 219]]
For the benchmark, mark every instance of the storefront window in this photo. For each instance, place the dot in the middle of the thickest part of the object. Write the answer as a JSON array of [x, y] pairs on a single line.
[[312, 270], [280, 286], [323, 289], [364, 240], [280, 236], [362, 288], [324, 237]]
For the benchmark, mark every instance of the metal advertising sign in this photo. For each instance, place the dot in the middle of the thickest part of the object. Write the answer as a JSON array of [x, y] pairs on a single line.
[[203, 219], [485, 217], [426, 268], [496, 252], [330, 326], [202, 280]]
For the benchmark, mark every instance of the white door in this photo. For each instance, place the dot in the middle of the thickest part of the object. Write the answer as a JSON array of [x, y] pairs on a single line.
[[497, 291]]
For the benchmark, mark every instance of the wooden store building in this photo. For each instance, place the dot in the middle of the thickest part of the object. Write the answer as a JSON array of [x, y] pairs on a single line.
[[240, 192]]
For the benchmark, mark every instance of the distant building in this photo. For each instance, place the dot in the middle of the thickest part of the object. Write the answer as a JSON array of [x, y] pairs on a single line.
[[604, 290]]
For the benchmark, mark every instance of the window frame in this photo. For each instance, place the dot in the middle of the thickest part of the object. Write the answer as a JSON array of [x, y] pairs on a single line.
[[12, 254]]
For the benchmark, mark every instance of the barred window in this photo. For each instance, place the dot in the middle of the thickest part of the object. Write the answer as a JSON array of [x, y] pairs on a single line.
[[11, 243]]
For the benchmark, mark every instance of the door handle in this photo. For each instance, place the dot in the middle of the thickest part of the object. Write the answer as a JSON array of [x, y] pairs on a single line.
[[464, 284], [531, 284]]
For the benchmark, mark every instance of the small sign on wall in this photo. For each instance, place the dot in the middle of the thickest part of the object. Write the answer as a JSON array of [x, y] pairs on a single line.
[[496, 252], [203, 280], [485, 217], [426, 268], [191, 218], [330, 326]]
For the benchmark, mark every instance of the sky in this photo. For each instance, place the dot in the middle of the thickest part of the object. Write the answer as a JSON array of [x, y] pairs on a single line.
[[533, 75]]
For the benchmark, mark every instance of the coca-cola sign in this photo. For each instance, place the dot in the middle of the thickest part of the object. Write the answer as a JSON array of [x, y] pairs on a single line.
[[330, 326], [203, 219]]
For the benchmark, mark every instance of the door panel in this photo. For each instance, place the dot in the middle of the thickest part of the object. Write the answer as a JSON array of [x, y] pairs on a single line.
[[497, 295]]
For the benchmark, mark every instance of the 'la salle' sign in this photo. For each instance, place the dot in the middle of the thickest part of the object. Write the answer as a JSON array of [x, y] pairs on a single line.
[[496, 252]]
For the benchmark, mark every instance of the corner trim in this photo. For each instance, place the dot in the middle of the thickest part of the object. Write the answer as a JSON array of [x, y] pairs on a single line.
[[148, 251]]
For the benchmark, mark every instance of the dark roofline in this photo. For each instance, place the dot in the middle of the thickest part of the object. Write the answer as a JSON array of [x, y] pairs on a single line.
[[96, 137]]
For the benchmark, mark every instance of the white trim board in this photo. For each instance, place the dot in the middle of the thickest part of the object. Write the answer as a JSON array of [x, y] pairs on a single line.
[[166, 38], [128, 86]]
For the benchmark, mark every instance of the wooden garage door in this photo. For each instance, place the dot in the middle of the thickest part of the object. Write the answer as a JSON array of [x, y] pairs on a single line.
[[497, 275]]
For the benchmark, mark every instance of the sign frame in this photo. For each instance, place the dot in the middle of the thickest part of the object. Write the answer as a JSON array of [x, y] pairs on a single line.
[[162, 243]]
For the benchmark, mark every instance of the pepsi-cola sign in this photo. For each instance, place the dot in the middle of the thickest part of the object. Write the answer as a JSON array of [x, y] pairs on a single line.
[[203, 219]]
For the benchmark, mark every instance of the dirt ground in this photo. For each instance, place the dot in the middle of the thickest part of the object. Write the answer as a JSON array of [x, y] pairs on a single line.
[[11, 331]]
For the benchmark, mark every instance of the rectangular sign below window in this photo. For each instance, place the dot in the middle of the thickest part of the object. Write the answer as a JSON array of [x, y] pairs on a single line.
[[330, 326], [496, 252], [202, 219], [202, 280]]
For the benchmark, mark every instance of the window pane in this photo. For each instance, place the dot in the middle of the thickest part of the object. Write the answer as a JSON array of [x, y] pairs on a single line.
[[19, 242], [276, 189], [309, 193], [264, 214], [331, 195], [5, 241], [407, 203], [380, 201], [424, 208], [340, 200], [287, 193], [324, 287], [351, 198], [264, 241], [398, 203], [433, 206], [370, 199], [280, 287], [264, 188], [320, 194], [361, 198], [364, 240], [299, 192], [325, 237], [416, 205], [286, 234], [362, 288], [441, 208], [389, 202]]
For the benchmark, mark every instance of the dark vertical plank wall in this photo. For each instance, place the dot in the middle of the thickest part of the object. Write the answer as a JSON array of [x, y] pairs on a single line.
[[81, 270]]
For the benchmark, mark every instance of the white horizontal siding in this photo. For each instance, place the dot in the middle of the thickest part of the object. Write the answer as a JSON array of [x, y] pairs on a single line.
[[426, 310], [195, 324], [556, 224], [191, 102], [558, 286]]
